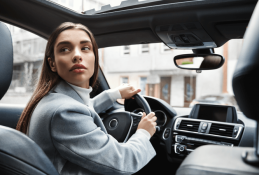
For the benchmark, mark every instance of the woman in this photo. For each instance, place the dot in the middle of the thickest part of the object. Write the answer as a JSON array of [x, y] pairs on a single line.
[[63, 120]]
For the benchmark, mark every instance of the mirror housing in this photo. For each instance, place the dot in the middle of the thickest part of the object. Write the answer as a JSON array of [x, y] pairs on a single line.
[[199, 61]]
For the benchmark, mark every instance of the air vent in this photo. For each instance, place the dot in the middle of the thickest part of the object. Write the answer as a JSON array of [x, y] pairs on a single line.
[[222, 130], [164, 28], [189, 125]]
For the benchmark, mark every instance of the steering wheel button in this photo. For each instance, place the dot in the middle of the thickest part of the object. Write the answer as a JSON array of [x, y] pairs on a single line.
[[166, 135], [113, 123]]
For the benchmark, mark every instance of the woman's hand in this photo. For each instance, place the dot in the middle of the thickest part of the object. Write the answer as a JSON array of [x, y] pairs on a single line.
[[127, 91], [148, 122]]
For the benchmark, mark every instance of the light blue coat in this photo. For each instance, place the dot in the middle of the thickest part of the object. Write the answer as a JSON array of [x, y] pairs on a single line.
[[74, 138]]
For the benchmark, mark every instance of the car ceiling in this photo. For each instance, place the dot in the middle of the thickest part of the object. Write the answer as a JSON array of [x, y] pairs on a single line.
[[221, 20]]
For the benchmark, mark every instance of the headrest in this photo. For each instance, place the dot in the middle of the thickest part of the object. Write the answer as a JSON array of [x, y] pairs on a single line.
[[246, 76], [6, 59]]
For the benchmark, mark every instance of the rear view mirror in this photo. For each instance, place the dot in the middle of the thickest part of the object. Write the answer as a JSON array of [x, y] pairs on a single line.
[[199, 61]]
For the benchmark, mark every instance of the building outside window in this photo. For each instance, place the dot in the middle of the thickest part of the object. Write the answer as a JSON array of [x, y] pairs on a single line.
[[126, 50], [143, 82], [145, 48], [124, 80]]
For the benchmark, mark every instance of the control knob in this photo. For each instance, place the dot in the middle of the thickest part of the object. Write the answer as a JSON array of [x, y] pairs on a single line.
[[182, 148]]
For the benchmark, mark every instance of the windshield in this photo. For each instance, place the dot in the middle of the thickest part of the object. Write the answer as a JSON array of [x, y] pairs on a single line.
[[150, 67]]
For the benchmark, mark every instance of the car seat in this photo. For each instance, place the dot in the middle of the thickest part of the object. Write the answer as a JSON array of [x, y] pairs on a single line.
[[19, 155]]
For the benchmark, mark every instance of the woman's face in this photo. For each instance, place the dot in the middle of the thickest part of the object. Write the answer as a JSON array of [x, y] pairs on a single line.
[[74, 57]]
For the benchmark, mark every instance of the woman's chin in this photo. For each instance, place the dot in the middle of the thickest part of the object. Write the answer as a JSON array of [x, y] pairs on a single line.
[[81, 82]]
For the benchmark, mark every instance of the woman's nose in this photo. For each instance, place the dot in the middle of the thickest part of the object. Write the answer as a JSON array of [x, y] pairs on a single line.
[[77, 57]]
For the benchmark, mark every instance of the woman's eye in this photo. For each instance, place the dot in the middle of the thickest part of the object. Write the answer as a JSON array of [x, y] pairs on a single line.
[[85, 48], [64, 49]]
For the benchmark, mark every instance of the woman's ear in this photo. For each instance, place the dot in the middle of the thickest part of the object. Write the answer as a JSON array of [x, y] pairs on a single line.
[[52, 65]]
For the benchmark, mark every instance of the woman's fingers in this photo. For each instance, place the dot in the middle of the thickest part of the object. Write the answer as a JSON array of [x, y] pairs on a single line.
[[135, 91], [154, 118], [144, 115], [151, 115]]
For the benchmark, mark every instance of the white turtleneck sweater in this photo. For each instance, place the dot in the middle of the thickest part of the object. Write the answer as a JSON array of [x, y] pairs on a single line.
[[114, 94]]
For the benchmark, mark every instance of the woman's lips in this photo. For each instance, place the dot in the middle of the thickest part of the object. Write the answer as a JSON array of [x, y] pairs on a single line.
[[78, 66], [78, 70]]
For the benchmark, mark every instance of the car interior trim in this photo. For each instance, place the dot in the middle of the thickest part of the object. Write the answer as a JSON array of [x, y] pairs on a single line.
[[164, 115], [164, 133], [127, 136]]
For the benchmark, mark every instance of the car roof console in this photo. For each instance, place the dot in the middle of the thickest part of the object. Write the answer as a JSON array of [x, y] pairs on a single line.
[[185, 36]]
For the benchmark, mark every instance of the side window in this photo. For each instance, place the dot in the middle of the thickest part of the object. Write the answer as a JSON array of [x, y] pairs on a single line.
[[28, 54]]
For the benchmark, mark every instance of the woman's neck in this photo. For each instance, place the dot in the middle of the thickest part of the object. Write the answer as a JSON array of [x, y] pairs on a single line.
[[84, 93]]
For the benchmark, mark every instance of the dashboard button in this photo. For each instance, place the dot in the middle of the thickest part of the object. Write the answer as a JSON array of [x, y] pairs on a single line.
[[204, 126], [166, 135], [181, 148], [235, 130], [203, 131], [167, 130], [178, 139]]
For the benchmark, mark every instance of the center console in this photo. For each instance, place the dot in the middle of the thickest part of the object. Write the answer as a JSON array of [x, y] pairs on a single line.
[[206, 124]]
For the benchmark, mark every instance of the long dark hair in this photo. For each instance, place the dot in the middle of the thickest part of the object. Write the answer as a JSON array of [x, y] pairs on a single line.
[[49, 79]]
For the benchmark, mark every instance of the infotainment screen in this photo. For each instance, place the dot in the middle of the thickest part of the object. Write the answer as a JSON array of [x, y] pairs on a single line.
[[213, 113]]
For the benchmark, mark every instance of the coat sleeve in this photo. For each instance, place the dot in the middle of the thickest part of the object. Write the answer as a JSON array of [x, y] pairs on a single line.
[[78, 139], [102, 101]]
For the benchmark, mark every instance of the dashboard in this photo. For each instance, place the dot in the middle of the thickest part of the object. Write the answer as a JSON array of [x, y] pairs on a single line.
[[185, 129]]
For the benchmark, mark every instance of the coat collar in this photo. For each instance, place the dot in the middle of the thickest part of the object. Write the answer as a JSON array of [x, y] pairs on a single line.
[[64, 88]]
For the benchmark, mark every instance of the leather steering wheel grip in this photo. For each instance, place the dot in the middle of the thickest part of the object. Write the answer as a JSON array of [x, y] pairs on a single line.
[[142, 102]]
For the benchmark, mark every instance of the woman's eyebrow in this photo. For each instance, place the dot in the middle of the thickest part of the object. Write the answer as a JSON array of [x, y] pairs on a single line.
[[63, 42], [67, 42], [85, 41]]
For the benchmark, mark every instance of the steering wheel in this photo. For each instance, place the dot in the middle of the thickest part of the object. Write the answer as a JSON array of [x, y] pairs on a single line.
[[122, 124]]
